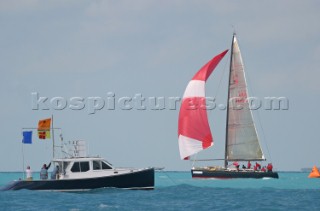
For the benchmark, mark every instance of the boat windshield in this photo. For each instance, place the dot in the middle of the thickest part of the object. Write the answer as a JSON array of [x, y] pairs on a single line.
[[98, 165], [105, 165]]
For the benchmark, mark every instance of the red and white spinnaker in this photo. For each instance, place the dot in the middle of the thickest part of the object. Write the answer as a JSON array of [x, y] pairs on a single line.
[[193, 128]]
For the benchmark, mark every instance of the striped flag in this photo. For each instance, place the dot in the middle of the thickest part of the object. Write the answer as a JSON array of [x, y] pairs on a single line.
[[44, 128]]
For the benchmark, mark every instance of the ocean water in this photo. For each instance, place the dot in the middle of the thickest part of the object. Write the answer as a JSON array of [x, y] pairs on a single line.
[[177, 191]]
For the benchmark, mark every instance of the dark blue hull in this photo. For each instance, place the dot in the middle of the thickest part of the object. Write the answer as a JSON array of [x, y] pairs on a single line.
[[143, 179], [220, 174]]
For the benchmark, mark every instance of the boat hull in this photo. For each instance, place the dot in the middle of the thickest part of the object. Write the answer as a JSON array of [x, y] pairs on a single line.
[[142, 180], [225, 174]]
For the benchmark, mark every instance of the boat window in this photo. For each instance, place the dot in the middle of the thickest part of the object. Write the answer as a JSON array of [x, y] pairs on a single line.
[[96, 165], [80, 167], [105, 166], [84, 166], [75, 167]]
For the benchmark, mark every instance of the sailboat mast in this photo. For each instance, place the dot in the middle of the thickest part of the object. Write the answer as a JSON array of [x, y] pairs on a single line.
[[53, 145], [227, 120]]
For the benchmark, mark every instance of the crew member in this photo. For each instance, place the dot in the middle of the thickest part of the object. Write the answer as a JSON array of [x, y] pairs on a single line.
[[269, 167], [44, 171]]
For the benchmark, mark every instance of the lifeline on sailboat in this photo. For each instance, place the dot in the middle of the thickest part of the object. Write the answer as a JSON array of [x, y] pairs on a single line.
[[242, 142]]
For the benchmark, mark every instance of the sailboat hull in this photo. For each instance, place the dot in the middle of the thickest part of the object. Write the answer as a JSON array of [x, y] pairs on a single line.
[[142, 180], [226, 174]]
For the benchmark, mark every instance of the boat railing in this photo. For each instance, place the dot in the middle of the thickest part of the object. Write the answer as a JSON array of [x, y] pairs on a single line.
[[127, 168]]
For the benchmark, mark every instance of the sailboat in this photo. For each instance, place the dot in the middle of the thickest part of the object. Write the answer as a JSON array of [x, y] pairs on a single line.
[[241, 141]]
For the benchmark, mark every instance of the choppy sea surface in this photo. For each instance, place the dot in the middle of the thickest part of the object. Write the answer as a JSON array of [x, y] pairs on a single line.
[[177, 191]]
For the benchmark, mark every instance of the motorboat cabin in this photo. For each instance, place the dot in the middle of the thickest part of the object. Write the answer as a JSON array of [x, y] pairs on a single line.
[[86, 167]]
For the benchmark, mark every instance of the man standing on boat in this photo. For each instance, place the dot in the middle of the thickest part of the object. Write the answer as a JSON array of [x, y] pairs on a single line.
[[249, 165], [269, 167], [55, 173], [29, 173], [44, 171], [257, 167]]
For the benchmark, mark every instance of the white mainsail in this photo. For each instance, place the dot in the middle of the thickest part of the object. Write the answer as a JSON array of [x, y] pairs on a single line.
[[242, 140]]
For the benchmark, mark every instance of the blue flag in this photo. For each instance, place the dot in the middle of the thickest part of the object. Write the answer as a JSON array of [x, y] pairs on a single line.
[[27, 137]]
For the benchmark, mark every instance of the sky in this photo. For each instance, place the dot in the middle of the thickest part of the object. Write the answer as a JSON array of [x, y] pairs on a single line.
[[105, 50]]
